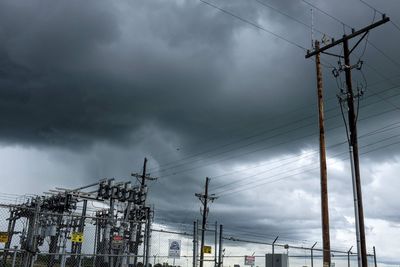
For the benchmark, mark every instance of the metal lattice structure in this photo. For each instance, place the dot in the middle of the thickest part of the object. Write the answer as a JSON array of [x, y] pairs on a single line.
[[51, 229]]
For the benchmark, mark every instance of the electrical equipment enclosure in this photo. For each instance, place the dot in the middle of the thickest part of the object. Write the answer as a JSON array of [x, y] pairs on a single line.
[[280, 260]]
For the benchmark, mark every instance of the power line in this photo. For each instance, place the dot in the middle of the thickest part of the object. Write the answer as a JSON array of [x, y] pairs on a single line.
[[296, 156], [308, 170], [170, 227], [324, 12], [386, 128], [254, 25], [376, 10], [267, 138], [394, 62], [301, 168], [212, 162], [380, 130], [349, 27], [233, 232], [236, 16], [263, 3], [230, 13], [171, 165]]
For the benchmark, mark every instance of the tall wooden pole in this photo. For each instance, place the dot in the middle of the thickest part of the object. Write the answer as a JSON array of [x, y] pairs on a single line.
[[353, 145], [322, 159]]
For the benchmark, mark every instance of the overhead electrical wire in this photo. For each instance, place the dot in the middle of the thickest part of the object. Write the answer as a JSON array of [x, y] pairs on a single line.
[[380, 113], [211, 162], [229, 231], [380, 130], [376, 10], [384, 112], [322, 11], [275, 135], [231, 234], [301, 47], [309, 153], [263, 148], [266, 180], [254, 24], [166, 166], [263, 3], [243, 180], [260, 133], [385, 77], [230, 13], [263, 237], [349, 27]]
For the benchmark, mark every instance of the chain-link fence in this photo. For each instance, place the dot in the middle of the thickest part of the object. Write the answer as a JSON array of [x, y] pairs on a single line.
[[161, 241], [29, 237], [260, 254]]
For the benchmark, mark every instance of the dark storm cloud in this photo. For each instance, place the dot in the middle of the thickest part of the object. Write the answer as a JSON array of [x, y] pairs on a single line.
[[78, 74], [198, 91], [75, 73], [65, 80]]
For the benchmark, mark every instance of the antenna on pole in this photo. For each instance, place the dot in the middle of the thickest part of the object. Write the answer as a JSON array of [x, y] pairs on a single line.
[[312, 28]]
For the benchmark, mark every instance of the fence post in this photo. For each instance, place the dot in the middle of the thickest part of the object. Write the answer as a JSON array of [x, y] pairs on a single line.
[[14, 256], [216, 243], [273, 251], [148, 238], [194, 243], [95, 241], [374, 256], [312, 254], [348, 256], [110, 251], [63, 251]]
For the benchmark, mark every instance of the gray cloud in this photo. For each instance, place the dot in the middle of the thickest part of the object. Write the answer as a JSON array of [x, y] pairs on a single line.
[[95, 86]]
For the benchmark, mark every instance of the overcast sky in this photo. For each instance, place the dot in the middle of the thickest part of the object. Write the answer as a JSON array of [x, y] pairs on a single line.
[[90, 88]]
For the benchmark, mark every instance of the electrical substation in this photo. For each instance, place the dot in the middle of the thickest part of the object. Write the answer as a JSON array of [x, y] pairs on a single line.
[[60, 217]]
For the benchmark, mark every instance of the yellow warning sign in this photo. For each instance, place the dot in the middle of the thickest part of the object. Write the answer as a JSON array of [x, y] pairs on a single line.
[[207, 249], [77, 237], [3, 237]]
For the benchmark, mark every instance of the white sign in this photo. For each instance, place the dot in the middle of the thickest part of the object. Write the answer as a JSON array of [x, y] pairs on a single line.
[[174, 248], [249, 260]]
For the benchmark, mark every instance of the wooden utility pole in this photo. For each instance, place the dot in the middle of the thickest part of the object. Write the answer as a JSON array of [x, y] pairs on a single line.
[[352, 126], [322, 162], [204, 198], [354, 159]]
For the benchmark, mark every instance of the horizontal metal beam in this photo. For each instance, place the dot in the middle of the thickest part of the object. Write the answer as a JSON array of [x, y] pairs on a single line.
[[347, 37]]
